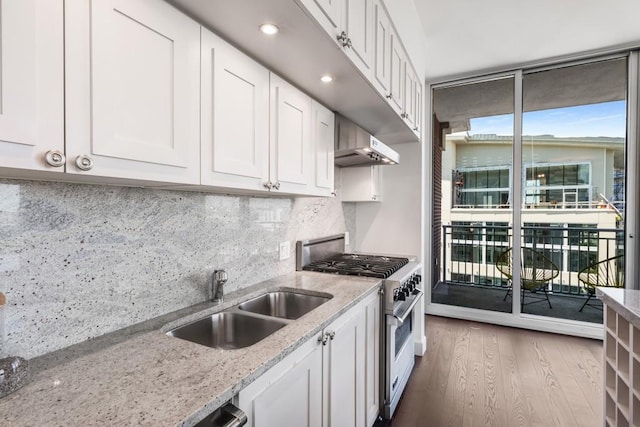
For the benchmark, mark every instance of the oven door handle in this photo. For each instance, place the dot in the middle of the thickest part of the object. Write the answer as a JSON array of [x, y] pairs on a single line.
[[401, 318]]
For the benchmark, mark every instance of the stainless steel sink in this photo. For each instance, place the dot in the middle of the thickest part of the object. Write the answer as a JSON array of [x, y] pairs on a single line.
[[283, 304], [228, 330]]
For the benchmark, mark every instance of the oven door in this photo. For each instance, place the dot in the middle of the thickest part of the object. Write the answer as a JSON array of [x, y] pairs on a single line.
[[399, 357]]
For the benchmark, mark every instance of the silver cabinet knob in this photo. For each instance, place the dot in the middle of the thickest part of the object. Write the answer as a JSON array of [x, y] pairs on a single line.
[[415, 129], [332, 335], [374, 197], [404, 115], [84, 162], [276, 185], [389, 96], [323, 339], [344, 40], [55, 158], [334, 193], [268, 185]]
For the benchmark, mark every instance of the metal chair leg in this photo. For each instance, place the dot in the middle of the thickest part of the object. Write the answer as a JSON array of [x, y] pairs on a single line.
[[547, 295], [585, 303], [508, 290]]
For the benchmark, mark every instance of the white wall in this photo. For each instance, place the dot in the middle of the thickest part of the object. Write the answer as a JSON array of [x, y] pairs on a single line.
[[394, 226]]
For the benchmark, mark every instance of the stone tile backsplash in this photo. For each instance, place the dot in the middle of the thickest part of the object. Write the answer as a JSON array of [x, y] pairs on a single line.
[[78, 261]]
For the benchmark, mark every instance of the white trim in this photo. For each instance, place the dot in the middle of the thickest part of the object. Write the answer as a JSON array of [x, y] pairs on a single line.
[[517, 319], [596, 55], [632, 159], [524, 321], [517, 199]]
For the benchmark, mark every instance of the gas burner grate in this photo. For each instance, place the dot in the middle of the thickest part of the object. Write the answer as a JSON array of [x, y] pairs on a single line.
[[358, 265]]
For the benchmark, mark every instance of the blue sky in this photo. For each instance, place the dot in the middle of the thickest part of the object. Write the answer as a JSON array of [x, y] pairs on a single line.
[[604, 119]]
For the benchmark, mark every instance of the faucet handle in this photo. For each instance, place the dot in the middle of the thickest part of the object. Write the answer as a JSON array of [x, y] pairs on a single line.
[[220, 276]]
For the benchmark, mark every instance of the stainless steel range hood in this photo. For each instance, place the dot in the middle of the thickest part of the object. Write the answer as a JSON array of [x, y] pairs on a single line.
[[357, 147]]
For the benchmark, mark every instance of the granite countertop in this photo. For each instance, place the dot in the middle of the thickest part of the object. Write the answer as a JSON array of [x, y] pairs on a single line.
[[624, 301], [140, 376]]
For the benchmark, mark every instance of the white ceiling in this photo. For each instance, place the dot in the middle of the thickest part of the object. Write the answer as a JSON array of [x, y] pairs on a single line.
[[463, 36]]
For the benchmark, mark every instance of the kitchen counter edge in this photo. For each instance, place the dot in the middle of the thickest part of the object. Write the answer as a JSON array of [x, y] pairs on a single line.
[[150, 378]]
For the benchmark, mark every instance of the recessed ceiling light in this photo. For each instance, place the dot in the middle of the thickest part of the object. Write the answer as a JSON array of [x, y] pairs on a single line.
[[326, 78], [269, 29]]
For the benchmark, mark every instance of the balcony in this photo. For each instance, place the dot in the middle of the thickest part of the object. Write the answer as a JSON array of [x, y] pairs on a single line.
[[469, 276]]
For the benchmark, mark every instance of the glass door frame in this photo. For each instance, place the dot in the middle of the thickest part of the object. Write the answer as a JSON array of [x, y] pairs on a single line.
[[632, 243]]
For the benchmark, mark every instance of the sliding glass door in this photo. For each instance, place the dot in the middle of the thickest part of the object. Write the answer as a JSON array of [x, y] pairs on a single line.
[[558, 136], [573, 182], [476, 120]]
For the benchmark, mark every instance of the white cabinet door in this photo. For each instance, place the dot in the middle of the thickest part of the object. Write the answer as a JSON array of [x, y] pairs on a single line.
[[234, 117], [133, 90], [328, 13], [290, 158], [358, 26], [32, 82], [290, 393], [417, 100], [372, 359], [362, 184], [410, 81], [398, 60], [344, 366], [382, 49], [323, 147]]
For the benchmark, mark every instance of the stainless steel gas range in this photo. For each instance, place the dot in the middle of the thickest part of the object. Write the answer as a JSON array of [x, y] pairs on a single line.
[[401, 289]]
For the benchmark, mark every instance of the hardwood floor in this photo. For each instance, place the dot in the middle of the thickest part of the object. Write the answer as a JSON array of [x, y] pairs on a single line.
[[477, 374]]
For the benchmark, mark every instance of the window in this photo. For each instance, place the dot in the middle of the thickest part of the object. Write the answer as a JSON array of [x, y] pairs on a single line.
[[481, 187], [558, 185]]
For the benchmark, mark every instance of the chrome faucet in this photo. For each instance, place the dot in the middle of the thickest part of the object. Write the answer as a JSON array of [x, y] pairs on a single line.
[[218, 279]]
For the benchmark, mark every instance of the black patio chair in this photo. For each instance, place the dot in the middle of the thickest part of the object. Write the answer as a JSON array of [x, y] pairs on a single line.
[[607, 273], [536, 272]]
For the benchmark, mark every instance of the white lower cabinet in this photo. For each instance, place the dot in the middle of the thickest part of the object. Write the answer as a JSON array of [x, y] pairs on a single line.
[[343, 362], [372, 322], [330, 381], [290, 393]]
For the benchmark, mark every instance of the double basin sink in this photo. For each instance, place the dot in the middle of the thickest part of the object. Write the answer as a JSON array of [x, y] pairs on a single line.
[[249, 322]]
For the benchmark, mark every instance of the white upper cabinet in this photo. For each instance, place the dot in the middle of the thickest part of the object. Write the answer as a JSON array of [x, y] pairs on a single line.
[[290, 142], [350, 24], [382, 49], [358, 26], [412, 99], [418, 110], [328, 13], [323, 147], [234, 117], [32, 85], [133, 91], [398, 62], [410, 81]]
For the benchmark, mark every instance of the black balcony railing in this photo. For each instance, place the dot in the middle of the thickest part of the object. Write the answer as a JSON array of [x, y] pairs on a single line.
[[470, 251]]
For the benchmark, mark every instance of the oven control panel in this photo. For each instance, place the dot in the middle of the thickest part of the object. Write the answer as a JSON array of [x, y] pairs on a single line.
[[408, 287]]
